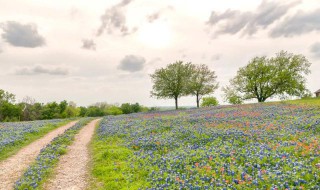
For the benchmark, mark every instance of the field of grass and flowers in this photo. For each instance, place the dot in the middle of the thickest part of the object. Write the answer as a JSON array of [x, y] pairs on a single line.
[[43, 166], [15, 135], [255, 146]]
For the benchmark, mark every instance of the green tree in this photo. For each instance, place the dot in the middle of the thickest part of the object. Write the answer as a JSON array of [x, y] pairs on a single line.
[[114, 110], [126, 108], [263, 78], [136, 108], [171, 82], [231, 96], [201, 82], [94, 111], [209, 101], [83, 111], [8, 110], [51, 111], [62, 107], [71, 110], [7, 96]]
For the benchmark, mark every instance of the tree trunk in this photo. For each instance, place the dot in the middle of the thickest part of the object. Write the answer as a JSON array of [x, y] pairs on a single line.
[[198, 100], [176, 101], [261, 99]]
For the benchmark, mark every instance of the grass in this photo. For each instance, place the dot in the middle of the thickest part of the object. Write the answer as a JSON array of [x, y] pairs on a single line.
[[277, 147], [307, 101], [29, 138], [111, 167]]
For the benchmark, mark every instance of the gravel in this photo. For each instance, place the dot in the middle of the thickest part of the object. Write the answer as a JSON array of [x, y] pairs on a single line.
[[72, 170]]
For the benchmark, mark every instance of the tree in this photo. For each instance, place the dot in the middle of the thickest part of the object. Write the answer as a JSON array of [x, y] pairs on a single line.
[[51, 111], [83, 111], [27, 108], [201, 82], [8, 110], [126, 108], [114, 110], [231, 96], [94, 111], [62, 106], [136, 107], [263, 78], [171, 82], [7, 97], [209, 101]]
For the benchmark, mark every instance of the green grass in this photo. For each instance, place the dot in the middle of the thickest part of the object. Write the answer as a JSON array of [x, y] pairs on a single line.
[[29, 138], [111, 167], [307, 101]]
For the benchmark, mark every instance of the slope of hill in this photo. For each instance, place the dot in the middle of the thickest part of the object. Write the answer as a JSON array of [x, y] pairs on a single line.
[[254, 146]]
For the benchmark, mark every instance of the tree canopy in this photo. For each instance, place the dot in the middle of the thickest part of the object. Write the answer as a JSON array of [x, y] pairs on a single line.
[[28, 109], [171, 82], [231, 96], [182, 79], [209, 101], [201, 82], [263, 78]]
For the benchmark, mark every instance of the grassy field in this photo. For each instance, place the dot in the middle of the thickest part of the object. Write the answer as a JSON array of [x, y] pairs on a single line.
[[256, 146], [308, 101]]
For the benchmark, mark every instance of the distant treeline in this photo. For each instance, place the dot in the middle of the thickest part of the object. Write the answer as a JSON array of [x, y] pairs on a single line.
[[28, 109]]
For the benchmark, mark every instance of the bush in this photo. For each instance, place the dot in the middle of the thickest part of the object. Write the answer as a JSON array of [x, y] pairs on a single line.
[[209, 101], [114, 110]]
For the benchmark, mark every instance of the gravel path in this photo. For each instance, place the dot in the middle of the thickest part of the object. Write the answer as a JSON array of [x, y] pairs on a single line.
[[72, 170], [13, 167]]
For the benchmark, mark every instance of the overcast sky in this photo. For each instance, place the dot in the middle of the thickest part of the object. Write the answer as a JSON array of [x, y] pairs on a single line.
[[94, 51]]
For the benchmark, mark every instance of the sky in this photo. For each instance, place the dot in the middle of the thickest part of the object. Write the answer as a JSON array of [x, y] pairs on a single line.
[[104, 51]]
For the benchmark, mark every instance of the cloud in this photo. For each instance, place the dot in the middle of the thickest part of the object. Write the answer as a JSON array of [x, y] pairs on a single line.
[[114, 18], [234, 21], [300, 23], [22, 35], [156, 15], [315, 49], [88, 44], [132, 63], [216, 57], [37, 70], [154, 61]]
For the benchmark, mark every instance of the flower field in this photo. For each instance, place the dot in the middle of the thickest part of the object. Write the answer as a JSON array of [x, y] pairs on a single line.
[[14, 135], [254, 146]]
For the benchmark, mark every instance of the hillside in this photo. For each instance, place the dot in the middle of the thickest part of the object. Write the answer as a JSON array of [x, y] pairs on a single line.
[[263, 146]]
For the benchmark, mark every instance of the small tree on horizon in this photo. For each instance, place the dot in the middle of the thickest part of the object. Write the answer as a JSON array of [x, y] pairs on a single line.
[[209, 101], [231, 96], [201, 82], [171, 81]]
